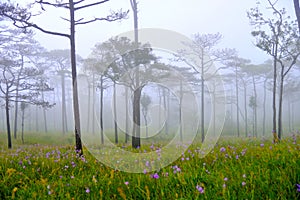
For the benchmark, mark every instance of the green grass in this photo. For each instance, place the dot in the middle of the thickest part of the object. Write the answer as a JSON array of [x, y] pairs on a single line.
[[41, 170]]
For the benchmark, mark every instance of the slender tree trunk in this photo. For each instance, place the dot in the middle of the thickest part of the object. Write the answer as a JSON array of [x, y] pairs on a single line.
[[159, 108], [289, 113], [44, 115], [165, 107], [22, 124], [237, 102], [280, 105], [264, 108], [297, 11], [136, 140], [63, 102], [17, 97], [101, 110], [255, 107], [36, 119], [74, 81], [275, 137], [168, 113], [146, 122], [246, 110], [202, 97], [93, 105], [7, 119], [89, 107], [126, 119], [180, 112], [115, 115]]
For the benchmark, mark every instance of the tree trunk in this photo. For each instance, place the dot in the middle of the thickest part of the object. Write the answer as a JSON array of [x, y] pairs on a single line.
[[45, 116], [180, 112], [237, 102], [246, 110], [7, 120], [136, 140], [126, 119], [89, 107], [36, 119], [297, 11], [289, 113], [17, 97], [255, 107], [74, 81], [275, 137], [264, 108], [101, 110], [93, 105], [202, 97], [63, 102], [165, 107], [115, 115], [280, 104], [22, 124]]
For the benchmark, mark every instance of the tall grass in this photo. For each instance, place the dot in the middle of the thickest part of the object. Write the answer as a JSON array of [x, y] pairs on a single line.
[[47, 167]]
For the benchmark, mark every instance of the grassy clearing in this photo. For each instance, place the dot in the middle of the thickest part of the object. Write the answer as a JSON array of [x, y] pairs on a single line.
[[235, 169]]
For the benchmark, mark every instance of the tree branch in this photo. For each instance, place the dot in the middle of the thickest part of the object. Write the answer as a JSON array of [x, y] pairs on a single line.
[[57, 5], [89, 5]]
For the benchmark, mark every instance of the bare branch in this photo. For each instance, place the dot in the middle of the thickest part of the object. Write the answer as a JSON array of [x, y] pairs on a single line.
[[110, 18], [89, 5], [57, 5]]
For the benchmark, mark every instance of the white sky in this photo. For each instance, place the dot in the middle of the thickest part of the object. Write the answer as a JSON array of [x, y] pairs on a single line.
[[186, 17]]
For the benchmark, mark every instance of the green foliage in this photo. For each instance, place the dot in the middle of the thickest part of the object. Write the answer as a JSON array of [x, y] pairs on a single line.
[[235, 169]]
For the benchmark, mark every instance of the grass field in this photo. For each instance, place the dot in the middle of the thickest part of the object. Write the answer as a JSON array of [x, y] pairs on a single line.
[[235, 169]]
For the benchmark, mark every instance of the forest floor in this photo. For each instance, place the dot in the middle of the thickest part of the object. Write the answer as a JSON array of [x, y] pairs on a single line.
[[235, 169]]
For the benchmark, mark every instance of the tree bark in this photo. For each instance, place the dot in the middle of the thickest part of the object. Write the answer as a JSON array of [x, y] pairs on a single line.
[[17, 97], [246, 110], [93, 105], [74, 81], [136, 140], [45, 116], [255, 107], [202, 97], [237, 102], [7, 119], [297, 11], [275, 49], [101, 110], [126, 119], [280, 104], [115, 115], [22, 124], [264, 108], [63, 102]]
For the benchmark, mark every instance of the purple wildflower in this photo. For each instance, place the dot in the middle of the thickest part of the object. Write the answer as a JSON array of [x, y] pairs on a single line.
[[126, 183], [298, 187], [222, 149], [87, 190], [200, 189], [262, 145], [155, 176], [243, 183], [225, 179]]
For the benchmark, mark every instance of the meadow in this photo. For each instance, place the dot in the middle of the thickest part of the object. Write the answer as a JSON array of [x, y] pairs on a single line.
[[47, 167]]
